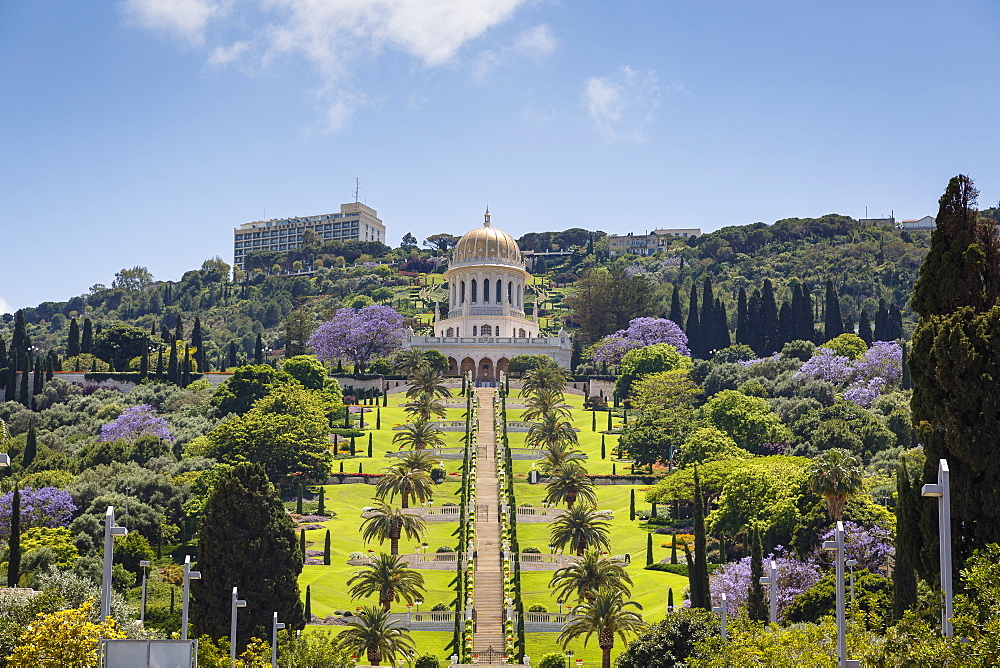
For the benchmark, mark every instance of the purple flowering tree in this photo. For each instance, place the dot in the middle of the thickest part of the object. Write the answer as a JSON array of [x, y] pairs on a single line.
[[883, 360], [866, 378], [639, 333], [42, 507], [733, 580], [359, 335], [134, 422], [864, 392], [827, 365], [870, 546]]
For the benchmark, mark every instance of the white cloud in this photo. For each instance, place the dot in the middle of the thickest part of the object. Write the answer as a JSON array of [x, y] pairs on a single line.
[[186, 19], [623, 105], [531, 43], [333, 35], [5, 307]]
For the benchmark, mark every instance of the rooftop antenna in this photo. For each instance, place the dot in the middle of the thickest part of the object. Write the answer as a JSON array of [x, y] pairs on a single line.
[[357, 189]]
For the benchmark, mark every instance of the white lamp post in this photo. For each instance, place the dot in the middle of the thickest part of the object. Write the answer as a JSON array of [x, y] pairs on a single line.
[[275, 626], [942, 490], [837, 547], [237, 603], [110, 531], [142, 611], [771, 580], [188, 576], [723, 610], [851, 563]]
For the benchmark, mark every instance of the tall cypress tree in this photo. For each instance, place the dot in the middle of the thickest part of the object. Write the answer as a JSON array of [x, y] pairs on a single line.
[[768, 320], [258, 350], [19, 341], [754, 338], [757, 607], [87, 340], [865, 328], [179, 329], [699, 572], [14, 542], [22, 395], [326, 549], [904, 578], [742, 321], [10, 391], [246, 540], [693, 328], [676, 314], [707, 319], [73, 343], [186, 373], [833, 324], [144, 363], [232, 355], [159, 362], [198, 343], [173, 374], [649, 549], [30, 448]]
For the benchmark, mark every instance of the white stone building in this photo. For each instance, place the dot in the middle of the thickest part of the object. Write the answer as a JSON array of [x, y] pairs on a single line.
[[485, 325]]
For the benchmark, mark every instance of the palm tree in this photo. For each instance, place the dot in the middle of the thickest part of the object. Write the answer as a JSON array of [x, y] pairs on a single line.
[[389, 577], [408, 361], [569, 482], [606, 616], [427, 380], [419, 459], [397, 479], [580, 528], [551, 429], [835, 475], [586, 575], [545, 401], [559, 454], [546, 377], [425, 406], [419, 435], [387, 523], [372, 633]]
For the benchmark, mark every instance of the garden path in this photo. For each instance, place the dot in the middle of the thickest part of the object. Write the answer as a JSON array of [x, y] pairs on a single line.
[[489, 578]]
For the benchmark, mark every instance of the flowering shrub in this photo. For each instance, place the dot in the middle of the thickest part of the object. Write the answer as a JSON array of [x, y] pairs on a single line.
[[42, 507], [640, 332], [866, 378], [134, 422], [871, 547], [733, 580]]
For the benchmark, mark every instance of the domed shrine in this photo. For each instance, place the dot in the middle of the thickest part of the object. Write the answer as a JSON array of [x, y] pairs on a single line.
[[485, 325]]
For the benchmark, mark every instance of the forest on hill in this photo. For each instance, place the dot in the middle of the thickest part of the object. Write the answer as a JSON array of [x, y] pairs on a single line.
[[867, 265]]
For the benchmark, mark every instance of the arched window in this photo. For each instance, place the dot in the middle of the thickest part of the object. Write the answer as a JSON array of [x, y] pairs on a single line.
[[462, 301], [486, 330], [486, 291], [520, 332], [474, 296], [474, 329], [499, 291], [451, 331], [510, 292]]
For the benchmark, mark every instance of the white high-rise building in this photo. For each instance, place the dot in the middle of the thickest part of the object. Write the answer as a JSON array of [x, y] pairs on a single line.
[[355, 222]]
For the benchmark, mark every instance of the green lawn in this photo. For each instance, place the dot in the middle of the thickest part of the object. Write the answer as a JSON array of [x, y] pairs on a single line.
[[329, 591]]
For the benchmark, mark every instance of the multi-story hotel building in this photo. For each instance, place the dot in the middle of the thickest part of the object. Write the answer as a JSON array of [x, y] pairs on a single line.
[[647, 244], [355, 222]]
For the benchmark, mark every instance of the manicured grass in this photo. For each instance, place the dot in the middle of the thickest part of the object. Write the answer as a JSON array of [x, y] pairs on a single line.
[[329, 591]]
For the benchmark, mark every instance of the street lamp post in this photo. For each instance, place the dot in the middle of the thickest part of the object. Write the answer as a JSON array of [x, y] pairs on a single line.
[[237, 603], [723, 610], [942, 490], [188, 576], [275, 626], [851, 563], [837, 547], [142, 610], [771, 580], [127, 491], [110, 531]]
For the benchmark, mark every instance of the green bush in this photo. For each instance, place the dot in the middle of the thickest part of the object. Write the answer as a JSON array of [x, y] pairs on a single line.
[[553, 660], [427, 661], [677, 569], [531, 550], [440, 607], [671, 642], [537, 607], [873, 594]]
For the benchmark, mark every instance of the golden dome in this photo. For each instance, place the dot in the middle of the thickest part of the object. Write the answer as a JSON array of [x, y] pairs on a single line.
[[487, 245]]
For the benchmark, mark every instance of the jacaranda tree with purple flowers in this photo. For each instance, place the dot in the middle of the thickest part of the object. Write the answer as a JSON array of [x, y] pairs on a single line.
[[134, 422], [870, 546], [640, 332], [733, 580], [359, 336], [43, 507], [864, 379]]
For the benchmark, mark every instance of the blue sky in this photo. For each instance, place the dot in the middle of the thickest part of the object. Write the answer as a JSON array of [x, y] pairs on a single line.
[[142, 132]]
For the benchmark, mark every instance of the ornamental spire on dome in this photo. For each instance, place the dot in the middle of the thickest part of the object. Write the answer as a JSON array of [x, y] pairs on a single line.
[[486, 222]]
